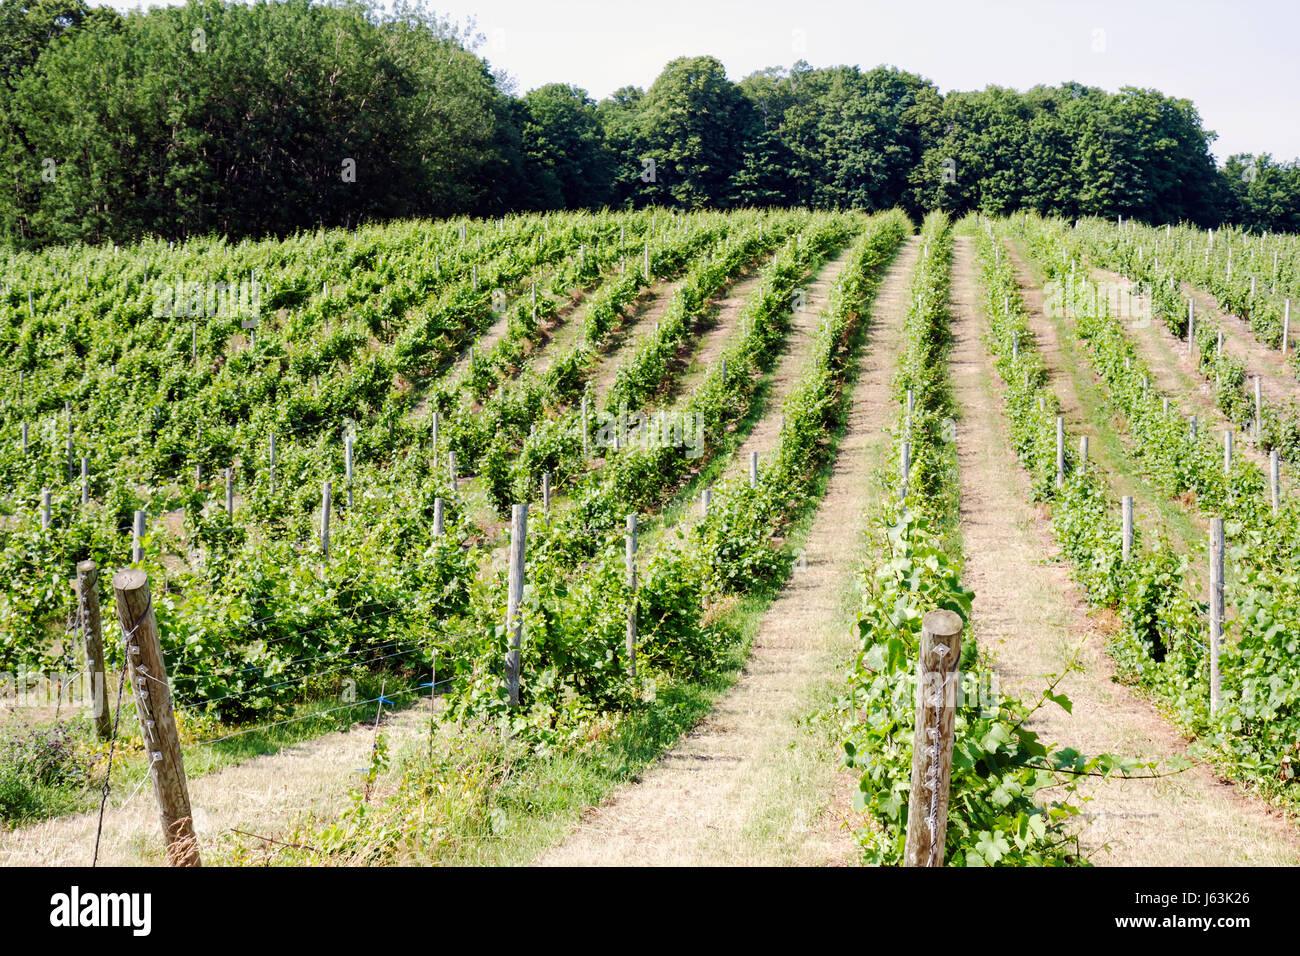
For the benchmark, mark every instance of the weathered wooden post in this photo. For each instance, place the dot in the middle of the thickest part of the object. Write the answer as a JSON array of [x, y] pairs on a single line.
[[144, 662], [706, 496], [1275, 480], [630, 562], [1259, 409], [45, 509], [347, 466], [753, 469], [1060, 451], [325, 495], [1128, 528], [1083, 453], [92, 635], [937, 675], [586, 437], [137, 538], [435, 433], [71, 455], [437, 517], [451, 468], [905, 466], [85, 480], [1216, 610], [230, 492], [515, 598], [1227, 451]]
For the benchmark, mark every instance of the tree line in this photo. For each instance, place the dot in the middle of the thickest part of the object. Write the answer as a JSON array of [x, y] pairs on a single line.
[[266, 118]]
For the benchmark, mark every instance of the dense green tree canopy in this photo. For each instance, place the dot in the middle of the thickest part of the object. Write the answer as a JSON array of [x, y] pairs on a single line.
[[244, 119]]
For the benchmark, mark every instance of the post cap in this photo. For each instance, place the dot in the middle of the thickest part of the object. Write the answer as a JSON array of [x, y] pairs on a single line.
[[942, 623]]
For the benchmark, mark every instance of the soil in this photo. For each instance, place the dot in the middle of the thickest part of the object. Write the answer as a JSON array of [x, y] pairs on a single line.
[[746, 787], [1030, 615]]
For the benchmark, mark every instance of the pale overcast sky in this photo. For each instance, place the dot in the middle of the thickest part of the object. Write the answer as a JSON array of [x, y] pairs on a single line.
[[1237, 62]]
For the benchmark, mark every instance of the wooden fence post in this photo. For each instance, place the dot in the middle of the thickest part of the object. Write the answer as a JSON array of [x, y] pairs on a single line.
[[515, 597], [71, 453], [905, 464], [753, 469], [230, 492], [144, 662], [92, 635], [437, 517], [85, 480], [630, 562], [1259, 409], [325, 520], [451, 468], [1060, 451], [137, 538], [1216, 610], [1275, 480], [1227, 451], [1083, 453], [435, 435], [347, 466], [586, 440], [45, 509], [1128, 528], [932, 741]]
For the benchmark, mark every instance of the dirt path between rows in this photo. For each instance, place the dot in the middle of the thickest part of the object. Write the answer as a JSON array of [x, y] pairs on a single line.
[[623, 343], [557, 326], [745, 787], [1031, 616], [711, 339], [1279, 382], [794, 355], [539, 352], [1070, 376], [264, 795], [1177, 374]]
